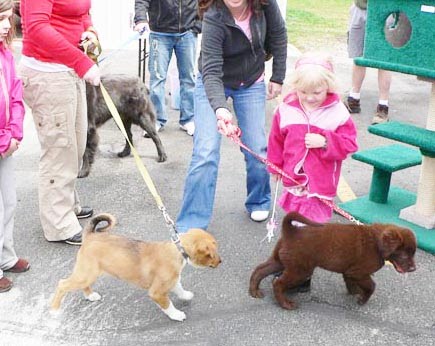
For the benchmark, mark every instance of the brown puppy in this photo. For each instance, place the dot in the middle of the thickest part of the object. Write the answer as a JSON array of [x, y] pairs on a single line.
[[153, 266], [356, 251]]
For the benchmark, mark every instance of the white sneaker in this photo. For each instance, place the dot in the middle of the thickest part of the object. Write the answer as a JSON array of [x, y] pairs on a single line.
[[259, 215], [189, 128], [159, 128]]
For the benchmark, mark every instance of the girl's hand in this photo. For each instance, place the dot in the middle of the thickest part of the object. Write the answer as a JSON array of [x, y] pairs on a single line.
[[13, 147], [276, 176], [314, 140], [273, 90]]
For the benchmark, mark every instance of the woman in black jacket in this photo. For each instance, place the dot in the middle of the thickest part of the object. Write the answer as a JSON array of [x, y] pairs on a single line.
[[237, 37]]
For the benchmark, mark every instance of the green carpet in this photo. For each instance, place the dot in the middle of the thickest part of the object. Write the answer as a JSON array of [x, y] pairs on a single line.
[[367, 211]]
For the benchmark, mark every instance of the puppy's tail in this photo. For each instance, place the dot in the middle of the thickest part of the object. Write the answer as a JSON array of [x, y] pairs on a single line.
[[92, 224], [287, 224]]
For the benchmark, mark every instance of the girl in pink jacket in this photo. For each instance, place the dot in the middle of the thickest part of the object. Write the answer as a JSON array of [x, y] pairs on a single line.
[[312, 133], [11, 134]]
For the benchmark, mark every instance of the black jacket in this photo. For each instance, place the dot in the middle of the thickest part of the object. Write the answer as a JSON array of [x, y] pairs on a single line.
[[229, 59], [168, 16]]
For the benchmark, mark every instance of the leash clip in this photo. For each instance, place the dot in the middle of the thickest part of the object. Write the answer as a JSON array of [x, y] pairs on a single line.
[[175, 238], [166, 216]]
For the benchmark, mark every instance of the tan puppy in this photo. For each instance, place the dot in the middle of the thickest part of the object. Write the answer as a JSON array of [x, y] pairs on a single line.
[[153, 266]]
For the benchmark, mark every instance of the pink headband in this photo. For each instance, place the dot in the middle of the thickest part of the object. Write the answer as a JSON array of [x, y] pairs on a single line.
[[314, 61]]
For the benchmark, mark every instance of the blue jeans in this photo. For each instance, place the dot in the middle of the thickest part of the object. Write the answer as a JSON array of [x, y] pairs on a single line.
[[161, 47], [200, 186]]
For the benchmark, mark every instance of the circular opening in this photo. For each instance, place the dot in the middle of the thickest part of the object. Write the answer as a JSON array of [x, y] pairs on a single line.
[[397, 29]]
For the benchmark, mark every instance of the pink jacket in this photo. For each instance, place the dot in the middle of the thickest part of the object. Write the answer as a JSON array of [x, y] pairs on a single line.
[[318, 169], [13, 128]]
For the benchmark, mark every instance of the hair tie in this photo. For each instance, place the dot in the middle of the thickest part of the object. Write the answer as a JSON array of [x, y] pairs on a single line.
[[314, 61]]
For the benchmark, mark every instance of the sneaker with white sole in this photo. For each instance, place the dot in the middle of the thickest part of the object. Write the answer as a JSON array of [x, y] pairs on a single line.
[[189, 128], [259, 215]]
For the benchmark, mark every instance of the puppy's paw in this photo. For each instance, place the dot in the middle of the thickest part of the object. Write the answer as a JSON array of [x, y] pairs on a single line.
[[287, 304], [173, 313], [93, 297], [256, 293], [55, 312], [177, 315], [186, 295]]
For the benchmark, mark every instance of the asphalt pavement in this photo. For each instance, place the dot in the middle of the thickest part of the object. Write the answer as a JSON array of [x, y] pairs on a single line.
[[401, 311]]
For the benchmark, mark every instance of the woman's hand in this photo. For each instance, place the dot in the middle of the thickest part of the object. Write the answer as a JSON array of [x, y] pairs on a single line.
[[315, 140], [88, 35], [142, 27], [93, 75], [224, 122], [273, 90]]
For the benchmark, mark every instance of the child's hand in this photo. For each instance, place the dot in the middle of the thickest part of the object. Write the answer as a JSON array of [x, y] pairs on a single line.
[[276, 176], [13, 147], [314, 140]]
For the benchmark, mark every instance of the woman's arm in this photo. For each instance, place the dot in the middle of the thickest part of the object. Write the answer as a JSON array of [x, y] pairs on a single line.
[[213, 36], [276, 40]]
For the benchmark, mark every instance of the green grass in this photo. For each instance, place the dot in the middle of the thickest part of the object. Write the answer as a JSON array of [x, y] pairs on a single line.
[[317, 23]]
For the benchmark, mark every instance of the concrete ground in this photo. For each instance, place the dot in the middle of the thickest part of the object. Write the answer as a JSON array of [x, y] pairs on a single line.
[[222, 313]]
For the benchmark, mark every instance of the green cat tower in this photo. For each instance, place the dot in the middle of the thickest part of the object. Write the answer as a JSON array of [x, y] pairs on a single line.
[[400, 37]]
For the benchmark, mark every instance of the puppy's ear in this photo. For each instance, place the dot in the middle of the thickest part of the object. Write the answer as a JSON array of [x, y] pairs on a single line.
[[390, 240]]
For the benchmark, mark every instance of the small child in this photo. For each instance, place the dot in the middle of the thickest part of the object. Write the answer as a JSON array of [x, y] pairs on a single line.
[[312, 133], [11, 133]]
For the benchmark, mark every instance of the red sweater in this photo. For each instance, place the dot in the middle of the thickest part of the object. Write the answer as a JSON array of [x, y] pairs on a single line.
[[52, 31]]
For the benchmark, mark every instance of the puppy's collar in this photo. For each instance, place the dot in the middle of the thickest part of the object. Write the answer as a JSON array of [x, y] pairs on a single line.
[[176, 240]]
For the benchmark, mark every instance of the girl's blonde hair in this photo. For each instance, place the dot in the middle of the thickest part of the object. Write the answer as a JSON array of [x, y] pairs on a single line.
[[312, 71], [6, 5]]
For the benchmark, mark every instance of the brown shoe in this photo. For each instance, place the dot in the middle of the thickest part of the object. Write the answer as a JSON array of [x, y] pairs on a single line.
[[381, 115], [5, 284], [20, 267], [353, 105]]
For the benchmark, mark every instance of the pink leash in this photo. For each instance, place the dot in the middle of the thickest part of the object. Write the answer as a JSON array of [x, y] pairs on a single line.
[[272, 224]]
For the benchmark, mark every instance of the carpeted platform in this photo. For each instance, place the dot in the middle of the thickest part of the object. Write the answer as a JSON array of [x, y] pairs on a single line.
[[367, 211]]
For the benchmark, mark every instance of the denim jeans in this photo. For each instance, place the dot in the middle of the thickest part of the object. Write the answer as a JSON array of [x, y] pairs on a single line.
[[161, 47], [200, 186]]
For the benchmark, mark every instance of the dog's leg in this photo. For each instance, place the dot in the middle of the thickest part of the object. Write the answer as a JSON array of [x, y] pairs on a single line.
[[158, 292], [367, 286], [181, 292], [79, 279], [126, 151], [280, 285], [269, 267], [173, 313], [70, 284], [163, 301], [351, 286], [91, 295], [151, 130]]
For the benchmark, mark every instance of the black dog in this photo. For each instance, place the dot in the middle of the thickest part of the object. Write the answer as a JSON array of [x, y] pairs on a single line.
[[130, 96]]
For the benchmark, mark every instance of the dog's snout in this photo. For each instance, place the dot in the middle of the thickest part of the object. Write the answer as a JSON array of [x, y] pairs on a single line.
[[216, 262], [412, 268]]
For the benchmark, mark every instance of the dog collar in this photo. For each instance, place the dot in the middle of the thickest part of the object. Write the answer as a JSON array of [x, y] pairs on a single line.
[[176, 240]]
